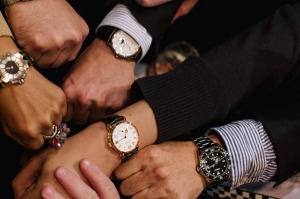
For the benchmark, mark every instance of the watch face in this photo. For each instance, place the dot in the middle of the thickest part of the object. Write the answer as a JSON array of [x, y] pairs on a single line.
[[13, 68], [124, 45], [125, 137], [215, 164]]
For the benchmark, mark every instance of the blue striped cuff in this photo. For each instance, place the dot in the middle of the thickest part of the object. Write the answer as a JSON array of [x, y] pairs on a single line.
[[120, 17], [250, 149]]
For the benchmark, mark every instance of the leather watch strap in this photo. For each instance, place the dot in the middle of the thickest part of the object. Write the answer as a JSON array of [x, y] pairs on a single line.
[[105, 32], [112, 119]]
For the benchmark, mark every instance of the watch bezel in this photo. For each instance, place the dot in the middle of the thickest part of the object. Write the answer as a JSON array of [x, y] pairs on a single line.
[[126, 37], [113, 130], [20, 61], [204, 168]]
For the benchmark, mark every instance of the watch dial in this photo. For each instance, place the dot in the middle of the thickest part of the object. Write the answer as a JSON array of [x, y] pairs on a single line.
[[125, 137], [124, 45], [12, 69], [214, 163]]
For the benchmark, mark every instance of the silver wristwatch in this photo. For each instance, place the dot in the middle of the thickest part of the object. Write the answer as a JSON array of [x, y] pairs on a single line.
[[10, 2], [121, 43], [13, 68], [214, 162]]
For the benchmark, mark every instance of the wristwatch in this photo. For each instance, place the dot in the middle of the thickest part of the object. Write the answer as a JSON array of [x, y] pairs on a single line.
[[13, 68], [123, 136], [214, 162], [10, 2], [121, 43]]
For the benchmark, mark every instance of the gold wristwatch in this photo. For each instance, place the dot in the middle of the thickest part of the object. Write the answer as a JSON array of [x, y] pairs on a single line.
[[123, 136]]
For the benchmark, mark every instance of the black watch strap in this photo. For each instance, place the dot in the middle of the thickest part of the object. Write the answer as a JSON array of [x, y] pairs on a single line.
[[112, 119], [105, 32]]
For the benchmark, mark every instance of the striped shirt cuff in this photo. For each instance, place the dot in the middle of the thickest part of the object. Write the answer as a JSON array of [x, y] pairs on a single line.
[[120, 17], [250, 149]]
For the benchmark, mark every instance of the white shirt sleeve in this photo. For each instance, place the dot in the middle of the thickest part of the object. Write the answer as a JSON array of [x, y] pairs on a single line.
[[121, 17], [251, 151]]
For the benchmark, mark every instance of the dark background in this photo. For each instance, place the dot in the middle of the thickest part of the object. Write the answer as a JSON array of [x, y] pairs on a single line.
[[207, 25]]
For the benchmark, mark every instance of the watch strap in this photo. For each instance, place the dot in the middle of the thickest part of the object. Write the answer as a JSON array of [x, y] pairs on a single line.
[[112, 119], [203, 143]]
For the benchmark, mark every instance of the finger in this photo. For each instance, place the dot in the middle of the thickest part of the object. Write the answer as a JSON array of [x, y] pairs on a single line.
[[69, 114], [185, 7], [67, 54], [49, 192], [98, 180], [138, 180], [97, 115], [47, 58], [130, 167], [76, 189], [81, 116], [152, 2], [26, 178]]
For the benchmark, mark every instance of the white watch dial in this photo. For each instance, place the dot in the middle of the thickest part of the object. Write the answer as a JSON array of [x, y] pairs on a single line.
[[125, 137], [124, 45]]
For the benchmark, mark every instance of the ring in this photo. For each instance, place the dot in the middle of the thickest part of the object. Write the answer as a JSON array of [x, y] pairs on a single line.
[[59, 135], [54, 133]]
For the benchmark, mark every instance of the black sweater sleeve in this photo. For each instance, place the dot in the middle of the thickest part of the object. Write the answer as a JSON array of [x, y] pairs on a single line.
[[202, 89]]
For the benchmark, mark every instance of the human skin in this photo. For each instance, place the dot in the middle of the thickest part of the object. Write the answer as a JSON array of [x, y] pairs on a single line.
[[101, 185], [33, 21], [90, 143], [185, 7], [108, 79], [30, 109]]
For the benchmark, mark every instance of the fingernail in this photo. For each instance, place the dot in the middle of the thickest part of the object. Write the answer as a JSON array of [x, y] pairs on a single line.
[[61, 172], [48, 191], [86, 163]]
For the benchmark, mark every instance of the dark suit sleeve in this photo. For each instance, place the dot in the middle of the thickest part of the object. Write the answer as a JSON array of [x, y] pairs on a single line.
[[155, 19], [280, 116], [202, 89]]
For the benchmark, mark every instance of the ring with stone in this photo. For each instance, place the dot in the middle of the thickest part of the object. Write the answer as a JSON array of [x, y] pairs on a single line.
[[54, 133], [58, 136]]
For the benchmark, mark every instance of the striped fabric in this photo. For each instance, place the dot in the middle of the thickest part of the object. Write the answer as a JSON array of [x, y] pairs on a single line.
[[120, 17], [250, 150]]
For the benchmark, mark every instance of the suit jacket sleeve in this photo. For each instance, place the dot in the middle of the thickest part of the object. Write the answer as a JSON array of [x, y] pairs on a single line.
[[202, 89], [281, 119]]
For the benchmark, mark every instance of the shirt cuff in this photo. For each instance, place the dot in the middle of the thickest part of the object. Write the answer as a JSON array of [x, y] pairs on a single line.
[[121, 17], [250, 149]]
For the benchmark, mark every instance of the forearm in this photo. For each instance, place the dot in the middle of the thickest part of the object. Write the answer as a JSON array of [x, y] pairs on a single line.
[[205, 89]]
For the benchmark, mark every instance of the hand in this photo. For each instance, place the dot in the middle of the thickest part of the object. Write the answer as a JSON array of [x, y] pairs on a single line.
[[97, 82], [39, 171], [50, 31], [31, 109], [167, 170], [102, 186], [185, 7]]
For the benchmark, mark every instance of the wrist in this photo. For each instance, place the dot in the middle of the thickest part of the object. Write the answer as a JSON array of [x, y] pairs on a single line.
[[7, 45]]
